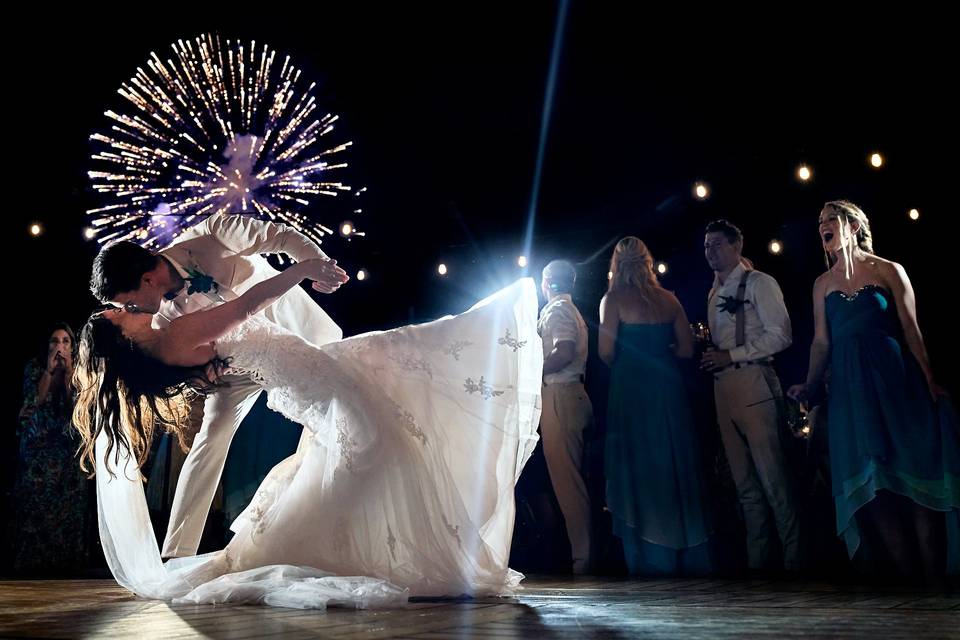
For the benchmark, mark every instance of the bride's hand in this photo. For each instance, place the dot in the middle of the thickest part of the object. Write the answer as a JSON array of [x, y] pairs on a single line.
[[326, 275]]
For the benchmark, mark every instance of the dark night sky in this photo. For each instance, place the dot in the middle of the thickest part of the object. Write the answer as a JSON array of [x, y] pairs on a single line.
[[444, 107]]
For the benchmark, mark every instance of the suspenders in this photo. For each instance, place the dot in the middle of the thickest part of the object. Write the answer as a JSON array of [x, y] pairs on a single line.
[[741, 313]]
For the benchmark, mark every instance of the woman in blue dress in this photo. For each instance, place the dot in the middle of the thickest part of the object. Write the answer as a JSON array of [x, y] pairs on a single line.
[[894, 445], [656, 488]]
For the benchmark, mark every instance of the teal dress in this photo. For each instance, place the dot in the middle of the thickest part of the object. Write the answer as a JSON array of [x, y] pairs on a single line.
[[886, 433], [656, 485]]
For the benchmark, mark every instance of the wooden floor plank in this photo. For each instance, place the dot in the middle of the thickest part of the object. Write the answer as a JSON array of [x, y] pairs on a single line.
[[547, 608]]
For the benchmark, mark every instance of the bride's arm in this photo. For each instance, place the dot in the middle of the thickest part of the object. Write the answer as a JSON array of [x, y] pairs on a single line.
[[203, 327]]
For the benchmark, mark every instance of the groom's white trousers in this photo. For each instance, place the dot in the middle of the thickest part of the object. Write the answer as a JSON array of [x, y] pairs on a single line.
[[223, 411]]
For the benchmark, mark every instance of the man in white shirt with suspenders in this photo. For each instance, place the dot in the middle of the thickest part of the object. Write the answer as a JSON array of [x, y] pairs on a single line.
[[749, 324]]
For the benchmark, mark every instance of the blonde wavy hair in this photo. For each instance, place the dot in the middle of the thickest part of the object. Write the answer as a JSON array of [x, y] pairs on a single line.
[[631, 267]]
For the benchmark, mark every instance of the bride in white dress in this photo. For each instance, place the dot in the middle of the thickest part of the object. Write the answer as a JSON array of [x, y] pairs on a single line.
[[403, 482]]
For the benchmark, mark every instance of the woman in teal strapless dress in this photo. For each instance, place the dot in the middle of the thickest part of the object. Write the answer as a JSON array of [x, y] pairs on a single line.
[[656, 489], [893, 435]]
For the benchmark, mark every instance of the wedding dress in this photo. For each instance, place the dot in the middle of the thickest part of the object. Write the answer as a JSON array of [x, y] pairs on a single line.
[[403, 481]]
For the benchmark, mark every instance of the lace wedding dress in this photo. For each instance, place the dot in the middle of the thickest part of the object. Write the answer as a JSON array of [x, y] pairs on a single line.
[[403, 481]]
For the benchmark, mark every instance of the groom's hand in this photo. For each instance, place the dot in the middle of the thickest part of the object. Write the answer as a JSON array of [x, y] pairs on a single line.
[[327, 276]]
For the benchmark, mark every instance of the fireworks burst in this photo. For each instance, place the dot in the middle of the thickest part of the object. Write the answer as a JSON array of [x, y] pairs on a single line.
[[216, 128]]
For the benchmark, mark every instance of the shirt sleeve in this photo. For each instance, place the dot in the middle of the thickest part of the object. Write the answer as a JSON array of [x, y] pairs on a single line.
[[777, 334]]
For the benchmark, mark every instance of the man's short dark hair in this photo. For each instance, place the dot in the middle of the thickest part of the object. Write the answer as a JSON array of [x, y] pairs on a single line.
[[118, 268], [733, 234]]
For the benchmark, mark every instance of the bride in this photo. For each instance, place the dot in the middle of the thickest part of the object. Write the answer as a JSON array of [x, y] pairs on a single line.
[[403, 480]]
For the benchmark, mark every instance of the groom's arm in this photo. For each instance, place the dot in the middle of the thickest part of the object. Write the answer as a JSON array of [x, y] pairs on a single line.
[[247, 236]]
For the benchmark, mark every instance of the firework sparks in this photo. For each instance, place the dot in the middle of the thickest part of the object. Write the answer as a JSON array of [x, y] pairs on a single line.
[[218, 127]]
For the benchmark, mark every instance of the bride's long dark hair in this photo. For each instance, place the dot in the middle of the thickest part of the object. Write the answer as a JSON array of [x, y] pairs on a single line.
[[127, 394]]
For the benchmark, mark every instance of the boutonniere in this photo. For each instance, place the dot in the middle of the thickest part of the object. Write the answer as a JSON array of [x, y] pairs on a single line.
[[200, 282], [730, 304]]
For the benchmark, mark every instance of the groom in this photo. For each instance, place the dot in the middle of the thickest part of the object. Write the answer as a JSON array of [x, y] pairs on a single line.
[[210, 263]]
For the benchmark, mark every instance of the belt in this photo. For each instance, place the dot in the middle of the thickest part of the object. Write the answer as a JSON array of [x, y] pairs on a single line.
[[581, 380], [748, 363], [742, 365]]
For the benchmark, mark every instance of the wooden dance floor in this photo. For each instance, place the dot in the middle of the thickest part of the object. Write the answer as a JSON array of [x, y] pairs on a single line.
[[548, 608]]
